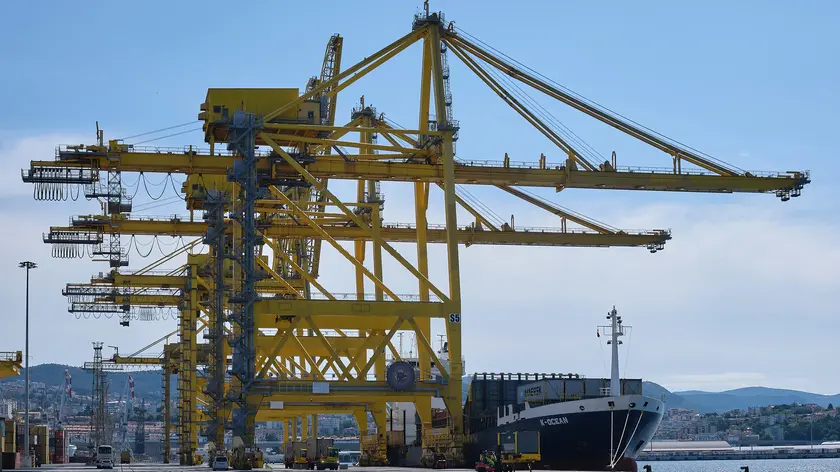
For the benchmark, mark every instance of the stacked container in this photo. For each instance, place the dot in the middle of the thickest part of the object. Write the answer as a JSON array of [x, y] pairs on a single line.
[[58, 447], [39, 442], [10, 436]]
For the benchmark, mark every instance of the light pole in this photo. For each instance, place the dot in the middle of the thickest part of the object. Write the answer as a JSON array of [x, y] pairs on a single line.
[[28, 265]]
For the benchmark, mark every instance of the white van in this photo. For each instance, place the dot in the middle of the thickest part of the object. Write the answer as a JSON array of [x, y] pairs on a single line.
[[105, 457]]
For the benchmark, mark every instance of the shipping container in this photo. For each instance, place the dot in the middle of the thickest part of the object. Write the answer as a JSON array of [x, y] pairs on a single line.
[[554, 390], [319, 448], [11, 460], [507, 442], [631, 386], [396, 438], [10, 438], [489, 392], [593, 387], [549, 390], [60, 447], [293, 449], [519, 442], [529, 442], [573, 389]]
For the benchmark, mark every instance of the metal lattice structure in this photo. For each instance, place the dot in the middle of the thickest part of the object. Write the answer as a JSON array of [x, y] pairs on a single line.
[[268, 210], [101, 430]]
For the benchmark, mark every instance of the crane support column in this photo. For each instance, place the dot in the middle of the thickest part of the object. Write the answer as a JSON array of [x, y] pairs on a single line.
[[421, 207], [215, 203], [167, 405], [188, 367], [452, 396], [243, 129]]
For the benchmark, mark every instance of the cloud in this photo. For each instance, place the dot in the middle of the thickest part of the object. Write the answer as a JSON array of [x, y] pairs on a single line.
[[16, 153], [747, 285], [740, 288]]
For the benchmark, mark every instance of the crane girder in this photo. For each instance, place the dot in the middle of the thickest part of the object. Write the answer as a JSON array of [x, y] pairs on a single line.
[[272, 311], [292, 410], [393, 233], [275, 343], [466, 172], [472, 235], [144, 280], [142, 299]]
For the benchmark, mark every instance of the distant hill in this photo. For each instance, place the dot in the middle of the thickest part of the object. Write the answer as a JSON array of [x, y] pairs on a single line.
[[741, 398], [655, 390], [147, 384]]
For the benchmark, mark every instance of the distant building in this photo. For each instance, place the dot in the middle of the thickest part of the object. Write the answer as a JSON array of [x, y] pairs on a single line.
[[749, 437], [7, 408], [756, 410], [775, 432], [768, 420], [328, 425]]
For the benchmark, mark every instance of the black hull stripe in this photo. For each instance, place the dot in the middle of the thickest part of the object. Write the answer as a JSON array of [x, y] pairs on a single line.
[[579, 438]]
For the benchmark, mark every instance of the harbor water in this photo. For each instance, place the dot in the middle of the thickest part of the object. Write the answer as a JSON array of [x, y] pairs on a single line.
[[765, 465]]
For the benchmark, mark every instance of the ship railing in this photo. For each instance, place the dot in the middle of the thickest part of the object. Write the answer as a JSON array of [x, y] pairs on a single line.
[[525, 376]]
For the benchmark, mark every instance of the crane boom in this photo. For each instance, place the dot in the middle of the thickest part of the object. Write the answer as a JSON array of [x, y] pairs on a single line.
[[467, 172]]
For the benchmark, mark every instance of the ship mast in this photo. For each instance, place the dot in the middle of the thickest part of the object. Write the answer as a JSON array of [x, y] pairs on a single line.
[[616, 330]]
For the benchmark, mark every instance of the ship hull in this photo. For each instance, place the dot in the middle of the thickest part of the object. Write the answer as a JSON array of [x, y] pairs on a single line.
[[585, 434]]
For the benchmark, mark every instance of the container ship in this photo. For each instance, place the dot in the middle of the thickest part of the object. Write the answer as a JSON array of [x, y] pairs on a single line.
[[584, 423]]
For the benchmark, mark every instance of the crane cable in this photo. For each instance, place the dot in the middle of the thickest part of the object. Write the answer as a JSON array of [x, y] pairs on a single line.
[[167, 136], [557, 126], [145, 181], [596, 104], [564, 209], [476, 202], [510, 88], [158, 130]]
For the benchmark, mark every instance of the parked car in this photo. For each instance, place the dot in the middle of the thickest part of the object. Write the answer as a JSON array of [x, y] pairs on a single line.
[[220, 463]]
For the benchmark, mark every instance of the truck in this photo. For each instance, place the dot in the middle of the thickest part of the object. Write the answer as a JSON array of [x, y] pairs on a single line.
[[514, 451], [295, 455], [245, 458], [324, 455], [329, 461], [104, 457], [312, 454]]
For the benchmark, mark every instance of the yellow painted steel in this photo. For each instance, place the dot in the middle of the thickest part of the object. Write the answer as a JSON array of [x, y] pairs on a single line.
[[10, 363], [396, 232], [344, 341], [474, 172], [187, 378]]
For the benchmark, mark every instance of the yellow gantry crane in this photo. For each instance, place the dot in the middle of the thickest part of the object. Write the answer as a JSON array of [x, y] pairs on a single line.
[[285, 337]]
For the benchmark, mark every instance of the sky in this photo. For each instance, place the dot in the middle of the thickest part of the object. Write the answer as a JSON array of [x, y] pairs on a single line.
[[744, 294]]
